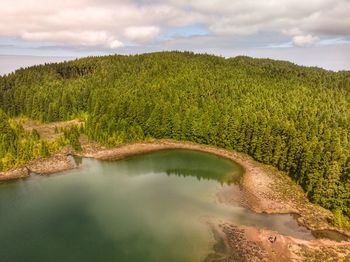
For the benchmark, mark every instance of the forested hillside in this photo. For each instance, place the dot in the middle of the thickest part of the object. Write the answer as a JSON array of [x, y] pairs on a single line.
[[294, 118]]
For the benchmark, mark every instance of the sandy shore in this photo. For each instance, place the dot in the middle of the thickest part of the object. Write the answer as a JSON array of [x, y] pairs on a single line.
[[263, 189]]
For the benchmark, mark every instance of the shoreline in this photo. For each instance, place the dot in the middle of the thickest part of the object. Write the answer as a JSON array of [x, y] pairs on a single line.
[[264, 189], [246, 243]]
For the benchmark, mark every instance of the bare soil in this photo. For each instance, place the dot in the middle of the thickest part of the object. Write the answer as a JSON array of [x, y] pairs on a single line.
[[48, 131], [242, 243], [55, 164]]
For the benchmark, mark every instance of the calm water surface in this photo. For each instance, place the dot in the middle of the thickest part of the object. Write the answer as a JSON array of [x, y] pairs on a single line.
[[151, 207]]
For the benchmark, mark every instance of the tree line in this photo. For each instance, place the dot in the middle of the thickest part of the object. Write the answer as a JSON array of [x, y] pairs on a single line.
[[294, 118]]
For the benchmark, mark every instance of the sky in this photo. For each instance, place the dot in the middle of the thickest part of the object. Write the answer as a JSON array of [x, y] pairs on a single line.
[[312, 32]]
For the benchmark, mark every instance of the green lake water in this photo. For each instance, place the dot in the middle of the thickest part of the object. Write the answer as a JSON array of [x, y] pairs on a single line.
[[151, 207]]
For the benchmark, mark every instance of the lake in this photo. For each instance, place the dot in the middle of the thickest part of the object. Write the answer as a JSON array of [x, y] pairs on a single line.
[[151, 207]]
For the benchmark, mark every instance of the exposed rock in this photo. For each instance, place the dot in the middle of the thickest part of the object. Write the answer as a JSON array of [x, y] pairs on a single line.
[[54, 164], [22, 172]]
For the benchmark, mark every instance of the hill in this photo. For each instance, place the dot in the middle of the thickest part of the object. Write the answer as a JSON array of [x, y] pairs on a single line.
[[294, 118]]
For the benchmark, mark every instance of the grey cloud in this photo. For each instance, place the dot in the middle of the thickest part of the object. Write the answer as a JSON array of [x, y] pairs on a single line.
[[102, 23], [132, 26]]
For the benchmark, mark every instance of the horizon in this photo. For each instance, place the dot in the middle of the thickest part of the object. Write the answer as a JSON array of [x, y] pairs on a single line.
[[11, 63]]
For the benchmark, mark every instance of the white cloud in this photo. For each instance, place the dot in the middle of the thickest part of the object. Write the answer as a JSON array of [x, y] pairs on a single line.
[[82, 22], [141, 33], [305, 40], [88, 38], [112, 23], [319, 18], [116, 44]]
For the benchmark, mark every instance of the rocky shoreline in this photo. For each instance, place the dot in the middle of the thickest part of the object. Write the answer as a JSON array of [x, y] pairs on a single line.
[[54, 164], [263, 189], [17, 173], [243, 243]]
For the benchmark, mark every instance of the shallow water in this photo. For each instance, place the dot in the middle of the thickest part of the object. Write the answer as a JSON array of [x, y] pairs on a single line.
[[150, 207], [330, 234]]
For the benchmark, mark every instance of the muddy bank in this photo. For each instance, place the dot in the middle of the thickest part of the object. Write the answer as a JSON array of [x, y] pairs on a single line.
[[242, 243], [232, 244], [54, 164], [18, 173], [271, 191]]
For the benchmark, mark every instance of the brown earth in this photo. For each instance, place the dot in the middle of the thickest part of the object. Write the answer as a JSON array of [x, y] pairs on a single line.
[[242, 243], [48, 131], [18, 173], [55, 164]]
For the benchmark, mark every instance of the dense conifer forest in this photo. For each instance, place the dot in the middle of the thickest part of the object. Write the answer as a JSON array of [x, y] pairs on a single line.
[[294, 118]]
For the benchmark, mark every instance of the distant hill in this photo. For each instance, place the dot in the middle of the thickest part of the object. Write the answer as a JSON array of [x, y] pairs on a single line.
[[294, 118], [9, 63]]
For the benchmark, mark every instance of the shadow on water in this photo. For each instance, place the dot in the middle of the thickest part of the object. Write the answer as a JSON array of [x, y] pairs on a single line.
[[185, 163], [76, 160], [206, 166], [142, 208], [223, 179]]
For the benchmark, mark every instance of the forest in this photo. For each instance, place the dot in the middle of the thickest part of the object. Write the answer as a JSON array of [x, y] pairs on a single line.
[[294, 118]]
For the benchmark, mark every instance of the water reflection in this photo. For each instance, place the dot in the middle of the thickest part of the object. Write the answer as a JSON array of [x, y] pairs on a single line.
[[143, 208], [184, 163]]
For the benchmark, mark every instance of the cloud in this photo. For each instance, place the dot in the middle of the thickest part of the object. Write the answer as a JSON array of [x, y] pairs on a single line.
[[305, 40], [116, 44], [117, 23], [141, 33], [82, 22], [84, 38]]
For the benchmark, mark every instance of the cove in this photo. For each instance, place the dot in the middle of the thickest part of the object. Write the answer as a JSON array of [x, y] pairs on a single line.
[[150, 207]]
